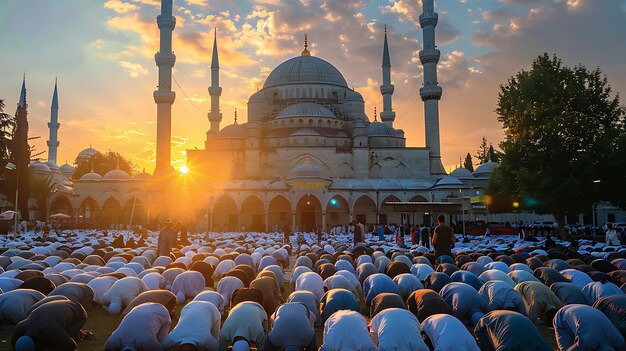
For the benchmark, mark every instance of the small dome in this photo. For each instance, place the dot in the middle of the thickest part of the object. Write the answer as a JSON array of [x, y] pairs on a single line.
[[307, 170], [377, 129], [88, 152], [234, 131], [389, 185], [461, 173], [66, 168], [91, 176], [353, 95], [305, 109], [116, 174], [53, 167], [39, 167], [449, 181], [305, 70], [485, 169], [417, 185], [305, 132], [142, 176]]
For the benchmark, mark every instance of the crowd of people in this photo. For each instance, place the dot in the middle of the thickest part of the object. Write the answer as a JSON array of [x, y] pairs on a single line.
[[272, 291]]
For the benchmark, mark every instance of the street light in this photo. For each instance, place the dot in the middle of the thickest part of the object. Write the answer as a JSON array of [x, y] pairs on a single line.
[[12, 167], [462, 211]]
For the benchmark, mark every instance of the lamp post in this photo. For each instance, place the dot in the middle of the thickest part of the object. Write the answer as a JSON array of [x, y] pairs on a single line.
[[462, 211], [593, 212], [13, 167]]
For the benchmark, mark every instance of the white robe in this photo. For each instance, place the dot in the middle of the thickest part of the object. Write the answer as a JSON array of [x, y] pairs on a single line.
[[143, 328], [337, 337], [199, 325], [397, 330], [100, 286], [188, 285], [122, 292], [312, 282], [447, 333]]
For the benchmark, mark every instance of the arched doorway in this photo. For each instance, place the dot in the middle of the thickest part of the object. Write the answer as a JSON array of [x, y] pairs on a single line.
[[252, 213], [111, 212], [279, 212], [308, 213], [135, 212], [88, 213], [365, 210], [386, 212], [60, 204], [337, 212], [225, 215]]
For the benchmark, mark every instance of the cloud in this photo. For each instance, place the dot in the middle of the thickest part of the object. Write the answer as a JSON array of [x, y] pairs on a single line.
[[119, 6], [134, 70]]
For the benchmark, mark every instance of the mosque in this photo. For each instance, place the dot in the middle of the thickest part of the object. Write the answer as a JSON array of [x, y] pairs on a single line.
[[308, 155]]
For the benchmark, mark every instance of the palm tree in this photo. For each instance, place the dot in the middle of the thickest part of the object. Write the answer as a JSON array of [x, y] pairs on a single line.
[[41, 187]]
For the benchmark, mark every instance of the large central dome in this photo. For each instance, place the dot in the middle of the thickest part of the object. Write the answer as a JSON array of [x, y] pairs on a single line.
[[307, 70]]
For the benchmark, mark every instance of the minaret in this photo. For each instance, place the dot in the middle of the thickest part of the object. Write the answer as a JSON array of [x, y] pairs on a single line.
[[386, 89], [53, 126], [215, 91], [164, 96], [22, 102], [431, 91]]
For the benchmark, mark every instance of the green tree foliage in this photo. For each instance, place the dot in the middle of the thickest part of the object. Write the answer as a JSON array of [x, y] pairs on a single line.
[[7, 125], [562, 128], [20, 156], [468, 164], [494, 156], [482, 154], [101, 163]]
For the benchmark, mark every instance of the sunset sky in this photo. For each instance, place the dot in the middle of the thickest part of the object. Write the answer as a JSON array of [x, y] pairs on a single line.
[[102, 52]]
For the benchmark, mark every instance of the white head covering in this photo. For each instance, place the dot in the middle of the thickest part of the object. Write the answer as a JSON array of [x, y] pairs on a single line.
[[241, 345]]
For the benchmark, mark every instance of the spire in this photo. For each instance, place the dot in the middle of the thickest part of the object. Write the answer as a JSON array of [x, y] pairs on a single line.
[[215, 62], [22, 102], [53, 126], [235, 115], [386, 59], [375, 115], [55, 95], [305, 52]]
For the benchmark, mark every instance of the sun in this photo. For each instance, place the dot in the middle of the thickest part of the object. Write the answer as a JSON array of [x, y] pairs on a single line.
[[184, 170]]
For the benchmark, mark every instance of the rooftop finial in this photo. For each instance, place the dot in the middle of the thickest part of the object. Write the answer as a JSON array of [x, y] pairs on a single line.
[[305, 52], [375, 115], [385, 29], [235, 115]]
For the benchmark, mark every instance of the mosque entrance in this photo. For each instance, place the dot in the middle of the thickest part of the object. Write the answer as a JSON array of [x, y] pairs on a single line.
[[309, 213]]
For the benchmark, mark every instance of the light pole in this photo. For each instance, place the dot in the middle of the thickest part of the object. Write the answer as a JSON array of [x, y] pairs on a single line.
[[593, 212], [13, 167], [462, 211]]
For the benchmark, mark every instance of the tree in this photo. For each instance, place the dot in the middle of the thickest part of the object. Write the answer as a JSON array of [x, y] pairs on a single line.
[[494, 156], [468, 164], [102, 163], [562, 126], [482, 154], [20, 156], [41, 187], [7, 125]]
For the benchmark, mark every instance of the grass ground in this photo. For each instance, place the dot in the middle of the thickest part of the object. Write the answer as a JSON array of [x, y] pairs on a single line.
[[102, 325]]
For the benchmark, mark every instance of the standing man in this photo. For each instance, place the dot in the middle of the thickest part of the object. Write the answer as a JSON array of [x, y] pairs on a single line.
[[167, 237], [611, 235], [443, 238], [286, 233], [381, 232], [425, 236], [358, 232]]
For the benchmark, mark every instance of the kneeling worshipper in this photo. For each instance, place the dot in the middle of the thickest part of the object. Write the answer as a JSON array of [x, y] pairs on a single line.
[[144, 328], [447, 333], [198, 328], [582, 327], [614, 308], [397, 330], [376, 284], [187, 285], [335, 300], [540, 301], [311, 281], [164, 297], [15, 305], [122, 293], [54, 325], [570, 294], [508, 330], [246, 325], [347, 330], [425, 303], [292, 329], [467, 305], [501, 296], [79, 292]]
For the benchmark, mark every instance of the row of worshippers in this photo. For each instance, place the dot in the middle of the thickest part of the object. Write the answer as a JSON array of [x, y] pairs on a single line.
[[331, 272]]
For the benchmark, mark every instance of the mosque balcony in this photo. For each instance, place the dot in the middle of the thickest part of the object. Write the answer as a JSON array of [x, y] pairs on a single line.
[[429, 55], [386, 89], [55, 144], [54, 125], [431, 92], [168, 22], [428, 19], [165, 59], [215, 91], [164, 96]]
